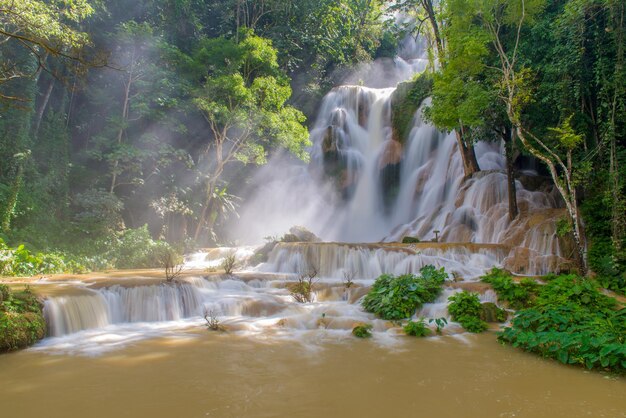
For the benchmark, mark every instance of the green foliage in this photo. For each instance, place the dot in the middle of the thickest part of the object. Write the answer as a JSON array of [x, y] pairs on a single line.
[[472, 324], [517, 295], [20, 261], [571, 289], [491, 313], [572, 334], [410, 240], [440, 323], [21, 319], [362, 331], [397, 298], [405, 101], [573, 322], [466, 309], [464, 304], [416, 328], [135, 248]]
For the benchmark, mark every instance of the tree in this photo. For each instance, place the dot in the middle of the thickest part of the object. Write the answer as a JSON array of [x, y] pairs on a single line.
[[243, 102], [43, 29], [498, 17], [461, 94]]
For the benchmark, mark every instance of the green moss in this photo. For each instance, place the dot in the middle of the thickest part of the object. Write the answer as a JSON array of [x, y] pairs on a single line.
[[21, 319], [404, 103], [20, 330], [362, 331]]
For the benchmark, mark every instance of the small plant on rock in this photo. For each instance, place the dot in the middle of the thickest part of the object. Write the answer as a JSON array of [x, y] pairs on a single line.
[[465, 308], [348, 279], [416, 328], [302, 290], [440, 323], [212, 321], [172, 263], [229, 263], [395, 298], [362, 331]]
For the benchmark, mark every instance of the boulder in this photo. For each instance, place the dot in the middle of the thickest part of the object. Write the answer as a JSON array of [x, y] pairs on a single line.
[[491, 313], [302, 234]]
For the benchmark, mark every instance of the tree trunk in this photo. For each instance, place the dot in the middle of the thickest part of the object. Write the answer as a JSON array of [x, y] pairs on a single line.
[[468, 155], [568, 193], [508, 137], [432, 18], [12, 200], [120, 132], [43, 106]]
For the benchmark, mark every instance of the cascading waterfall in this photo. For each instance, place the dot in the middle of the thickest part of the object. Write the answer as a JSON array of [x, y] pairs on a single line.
[[365, 190], [370, 261], [117, 304]]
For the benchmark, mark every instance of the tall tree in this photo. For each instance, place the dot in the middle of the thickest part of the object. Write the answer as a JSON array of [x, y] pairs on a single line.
[[243, 102]]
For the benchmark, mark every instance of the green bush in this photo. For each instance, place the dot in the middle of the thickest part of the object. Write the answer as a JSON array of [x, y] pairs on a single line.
[[466, 309], [399, 297], [20, 261], [410, 240], [472, 324], [573, 322], [517, 295], [572, 335], [21, 319], [464, 304], [579, 291], [362, 331], [416, 329]]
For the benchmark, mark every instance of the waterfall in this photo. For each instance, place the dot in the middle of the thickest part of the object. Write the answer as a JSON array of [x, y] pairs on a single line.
[[368, 262], [117, 304]]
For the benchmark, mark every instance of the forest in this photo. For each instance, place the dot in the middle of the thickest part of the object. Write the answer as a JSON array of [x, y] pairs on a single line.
[[132, 126]]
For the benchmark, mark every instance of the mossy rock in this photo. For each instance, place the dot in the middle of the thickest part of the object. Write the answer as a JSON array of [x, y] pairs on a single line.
[[491, 313], [5, 292], [19, 330], [405, 101]]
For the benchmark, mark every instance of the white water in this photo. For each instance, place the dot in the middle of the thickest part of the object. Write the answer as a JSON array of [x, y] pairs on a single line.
[[368, 262], [260, 306]]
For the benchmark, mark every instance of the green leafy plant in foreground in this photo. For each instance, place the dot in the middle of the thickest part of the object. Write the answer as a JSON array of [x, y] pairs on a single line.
[[573, 322], [362, 331], [465, 308], [395, 298], [518, 295], [416, 328], [21, 319]]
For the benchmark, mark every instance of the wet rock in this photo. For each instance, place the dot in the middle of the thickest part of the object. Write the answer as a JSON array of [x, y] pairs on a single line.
[[303, 235], [491, 313]]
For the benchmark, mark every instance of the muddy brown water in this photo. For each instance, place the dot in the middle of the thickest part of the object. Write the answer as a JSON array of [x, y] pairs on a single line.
[[206, 374]]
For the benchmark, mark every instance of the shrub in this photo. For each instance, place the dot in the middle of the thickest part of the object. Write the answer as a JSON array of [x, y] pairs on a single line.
[[21, 319], [464, 304], [519, 295], [362, 331], [579, 291], [399, 297], [416, 329], [472, 324], [465, 308], [302, 290], [229, 263], [572, 335], [410, 240], [573, 322]]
